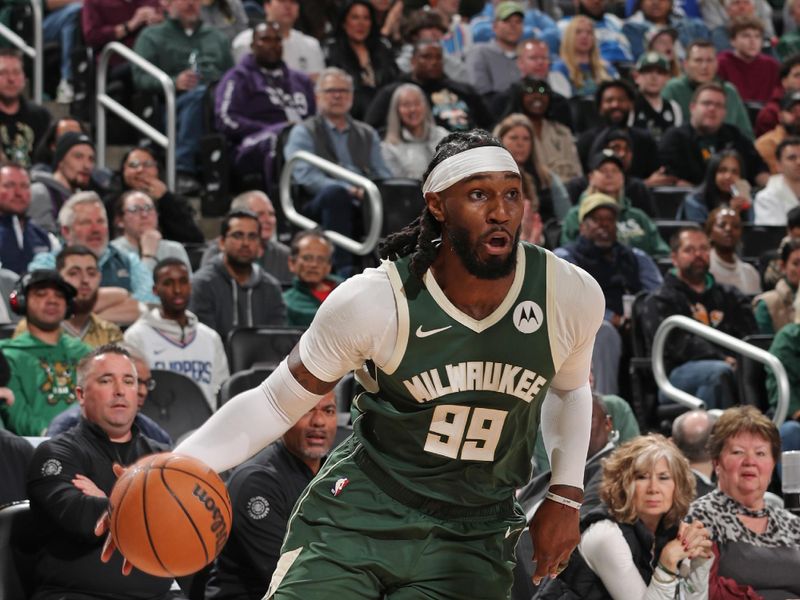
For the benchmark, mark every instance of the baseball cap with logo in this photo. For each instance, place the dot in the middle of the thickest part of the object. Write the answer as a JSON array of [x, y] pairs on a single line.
[[789, 100], [506, 9], [652, 60], [604, 156], [594, 201]]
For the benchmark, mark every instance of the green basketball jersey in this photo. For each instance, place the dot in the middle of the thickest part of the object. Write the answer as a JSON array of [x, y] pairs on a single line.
[[456, 409]]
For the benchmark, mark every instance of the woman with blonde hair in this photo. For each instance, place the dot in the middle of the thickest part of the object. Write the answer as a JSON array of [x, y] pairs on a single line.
[[411, 133], [517, 135], [580, 59], [637, 545]]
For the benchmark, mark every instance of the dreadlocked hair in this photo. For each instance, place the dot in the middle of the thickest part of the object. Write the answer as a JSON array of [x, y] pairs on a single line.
[[420, 238]]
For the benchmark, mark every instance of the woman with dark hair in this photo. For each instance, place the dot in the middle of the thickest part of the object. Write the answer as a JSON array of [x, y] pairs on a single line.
[[725, 185], [636, 546], [357, 47], [775, 308], [141, 170]]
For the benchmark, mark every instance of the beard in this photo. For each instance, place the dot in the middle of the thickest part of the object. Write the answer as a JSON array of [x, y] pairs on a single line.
[[495, 267], [84, 306]]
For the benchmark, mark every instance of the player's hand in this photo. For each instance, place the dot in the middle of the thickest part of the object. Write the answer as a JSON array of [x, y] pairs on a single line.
[[104, 527], [555, 533]]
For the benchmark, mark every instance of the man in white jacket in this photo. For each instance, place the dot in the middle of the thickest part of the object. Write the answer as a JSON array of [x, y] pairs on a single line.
[[782, 190], [172, 338]]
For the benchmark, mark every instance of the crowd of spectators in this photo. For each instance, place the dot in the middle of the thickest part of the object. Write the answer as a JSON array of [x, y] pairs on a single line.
[[654, 139]]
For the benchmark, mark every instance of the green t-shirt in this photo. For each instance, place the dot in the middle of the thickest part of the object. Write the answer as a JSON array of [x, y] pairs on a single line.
[[43, 379], [457, 409]]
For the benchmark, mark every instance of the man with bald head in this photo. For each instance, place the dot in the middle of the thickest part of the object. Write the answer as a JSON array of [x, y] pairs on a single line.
[[690, 433]]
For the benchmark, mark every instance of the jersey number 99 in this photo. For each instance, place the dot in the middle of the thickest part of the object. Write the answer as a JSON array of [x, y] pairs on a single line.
[[478, 428]]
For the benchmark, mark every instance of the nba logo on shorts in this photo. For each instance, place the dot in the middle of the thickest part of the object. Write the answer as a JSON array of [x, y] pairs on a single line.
[[339, 486], [528, 316]]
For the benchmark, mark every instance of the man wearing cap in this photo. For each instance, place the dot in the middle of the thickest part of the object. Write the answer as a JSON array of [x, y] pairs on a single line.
[[768, 117], [619, 269], [73, 161], [686, 150], [455, 105], [651, 111], [789, 125], [492, 66], [43, 359], [634, 227], [20, 238], [700, 67], [614, 101]]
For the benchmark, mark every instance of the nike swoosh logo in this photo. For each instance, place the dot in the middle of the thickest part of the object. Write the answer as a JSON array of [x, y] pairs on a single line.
[[157, 352], [424, 334]]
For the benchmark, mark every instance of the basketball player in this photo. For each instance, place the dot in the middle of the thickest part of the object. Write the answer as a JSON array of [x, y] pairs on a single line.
[[462, 340]]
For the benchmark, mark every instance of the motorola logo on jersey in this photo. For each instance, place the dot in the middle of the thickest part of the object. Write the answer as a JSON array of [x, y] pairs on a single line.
[[528, 316]]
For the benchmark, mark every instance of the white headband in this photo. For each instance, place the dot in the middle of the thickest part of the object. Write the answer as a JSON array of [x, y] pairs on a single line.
[[477, 160]]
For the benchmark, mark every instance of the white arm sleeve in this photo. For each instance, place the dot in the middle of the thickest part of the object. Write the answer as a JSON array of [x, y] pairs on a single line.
[[566, 426], [250, 421], [605, 550]]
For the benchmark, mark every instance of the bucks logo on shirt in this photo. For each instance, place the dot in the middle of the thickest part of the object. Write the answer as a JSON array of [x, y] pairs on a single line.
[[455, 411]]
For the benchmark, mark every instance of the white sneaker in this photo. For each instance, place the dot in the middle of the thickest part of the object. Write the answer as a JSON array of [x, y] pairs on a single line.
[[64, 93]]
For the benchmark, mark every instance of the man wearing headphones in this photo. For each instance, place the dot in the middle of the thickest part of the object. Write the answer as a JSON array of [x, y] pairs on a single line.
[[43, 359]]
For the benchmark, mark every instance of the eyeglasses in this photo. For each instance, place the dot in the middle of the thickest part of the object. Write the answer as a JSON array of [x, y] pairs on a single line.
[[150, 384], [535, 89], [310, 258], [333, 91], [142, 208], [144, 164], [241, 235]]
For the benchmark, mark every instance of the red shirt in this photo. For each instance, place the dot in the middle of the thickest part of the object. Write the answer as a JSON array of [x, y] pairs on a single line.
[[755, 80]]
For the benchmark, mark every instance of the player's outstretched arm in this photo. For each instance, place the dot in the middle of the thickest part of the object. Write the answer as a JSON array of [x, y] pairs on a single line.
[[257, 417], [555, 528]]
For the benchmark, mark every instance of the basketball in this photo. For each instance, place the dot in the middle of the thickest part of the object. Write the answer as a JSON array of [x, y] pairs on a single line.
[[170, 515]]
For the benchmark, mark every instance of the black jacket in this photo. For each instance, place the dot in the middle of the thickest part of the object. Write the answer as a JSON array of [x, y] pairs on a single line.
[[645, 150], [723, 307], [685, 154], [263, 492], [70, 557], [578, 581], [456, 106]]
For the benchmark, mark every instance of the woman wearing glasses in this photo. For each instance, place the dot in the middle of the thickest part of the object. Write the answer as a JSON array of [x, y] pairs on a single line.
[[140, 170], [136, 216]]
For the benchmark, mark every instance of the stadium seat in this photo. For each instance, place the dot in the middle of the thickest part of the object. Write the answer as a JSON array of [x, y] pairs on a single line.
[[260, 346], [758, 239], [668, 200], [18, 550], [402, 203], [752, 375], [195, 252], [177, 403], [240, 382], [552, 234]]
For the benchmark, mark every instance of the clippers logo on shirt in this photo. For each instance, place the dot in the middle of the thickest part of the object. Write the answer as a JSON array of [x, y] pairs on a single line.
[[257, 508], [51, 467]]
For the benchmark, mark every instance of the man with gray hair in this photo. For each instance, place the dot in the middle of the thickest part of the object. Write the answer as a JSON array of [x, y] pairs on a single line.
[[275, 255], [335, 136], [690, 433], [125, 281]]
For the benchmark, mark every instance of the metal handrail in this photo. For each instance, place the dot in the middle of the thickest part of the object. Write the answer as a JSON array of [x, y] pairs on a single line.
[[722, 339], [106, 102], [36, 52], [372, 193]]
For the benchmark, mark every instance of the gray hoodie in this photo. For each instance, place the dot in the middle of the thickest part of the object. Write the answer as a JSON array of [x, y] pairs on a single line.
[[47, 197], [222, 304]]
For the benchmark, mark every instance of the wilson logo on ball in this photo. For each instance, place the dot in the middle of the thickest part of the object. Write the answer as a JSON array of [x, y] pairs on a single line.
[[218, 526]]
